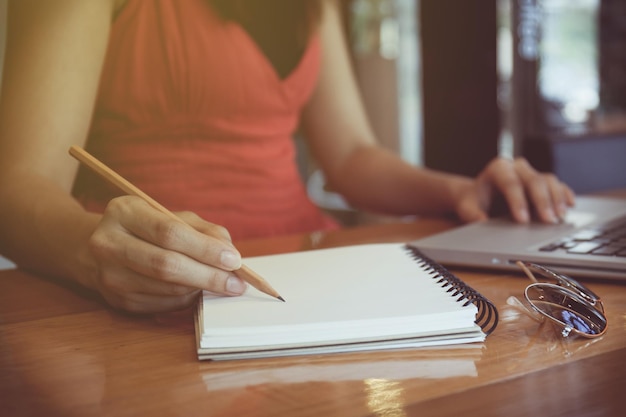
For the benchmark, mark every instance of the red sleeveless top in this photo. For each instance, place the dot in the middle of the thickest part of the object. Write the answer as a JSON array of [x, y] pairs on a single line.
[[192, 112]]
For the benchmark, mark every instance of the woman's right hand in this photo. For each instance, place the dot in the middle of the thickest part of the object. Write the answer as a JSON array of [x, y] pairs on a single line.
[[148, 262]]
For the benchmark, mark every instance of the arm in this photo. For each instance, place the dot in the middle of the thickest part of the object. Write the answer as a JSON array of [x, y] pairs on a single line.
[[47, 99], [137, 258], [373, 178]]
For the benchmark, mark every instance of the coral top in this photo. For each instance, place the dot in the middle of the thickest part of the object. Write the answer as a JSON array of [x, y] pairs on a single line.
[[192, 112]]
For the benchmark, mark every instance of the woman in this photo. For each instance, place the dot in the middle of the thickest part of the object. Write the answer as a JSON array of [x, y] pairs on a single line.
[[195, 102]]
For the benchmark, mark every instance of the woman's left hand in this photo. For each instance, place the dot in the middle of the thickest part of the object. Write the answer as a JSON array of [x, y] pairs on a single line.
[[523, 188]]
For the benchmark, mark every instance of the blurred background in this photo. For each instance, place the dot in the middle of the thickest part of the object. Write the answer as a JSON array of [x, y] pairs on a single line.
[[475, 78], [449, 84]]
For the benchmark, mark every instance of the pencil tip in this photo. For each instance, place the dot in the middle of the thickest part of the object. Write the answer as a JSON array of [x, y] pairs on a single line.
[[281, 298]]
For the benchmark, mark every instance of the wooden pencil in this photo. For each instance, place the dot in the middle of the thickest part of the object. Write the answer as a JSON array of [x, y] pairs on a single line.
[[117, 180]]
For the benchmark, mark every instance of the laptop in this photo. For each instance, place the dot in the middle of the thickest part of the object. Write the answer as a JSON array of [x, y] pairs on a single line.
[[589, 243]]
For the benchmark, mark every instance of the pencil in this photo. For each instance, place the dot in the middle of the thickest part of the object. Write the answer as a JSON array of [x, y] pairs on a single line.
[[117, 180]]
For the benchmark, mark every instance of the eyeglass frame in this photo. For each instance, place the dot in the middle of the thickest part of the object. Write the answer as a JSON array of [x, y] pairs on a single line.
[[567, 287]]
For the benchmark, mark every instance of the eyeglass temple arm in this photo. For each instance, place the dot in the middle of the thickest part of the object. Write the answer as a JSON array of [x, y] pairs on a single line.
[[527, 271], [520, 306]]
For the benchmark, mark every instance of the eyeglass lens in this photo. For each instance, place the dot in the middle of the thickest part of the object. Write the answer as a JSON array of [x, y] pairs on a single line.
[[567, 309], [566, 282]]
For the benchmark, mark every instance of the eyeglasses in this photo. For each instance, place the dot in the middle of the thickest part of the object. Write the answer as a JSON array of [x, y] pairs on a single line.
[[565, 302]]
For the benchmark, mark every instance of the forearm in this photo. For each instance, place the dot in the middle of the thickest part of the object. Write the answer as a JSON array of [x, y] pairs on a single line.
[[375, 179], [45, 230]]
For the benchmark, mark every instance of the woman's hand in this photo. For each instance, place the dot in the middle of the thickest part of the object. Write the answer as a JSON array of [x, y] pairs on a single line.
[[524, 190], [148, 262]]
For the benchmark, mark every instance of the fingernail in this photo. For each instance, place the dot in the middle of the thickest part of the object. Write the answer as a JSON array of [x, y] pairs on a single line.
[[235, 285], [549, 213], [523, 215], [230, 260]]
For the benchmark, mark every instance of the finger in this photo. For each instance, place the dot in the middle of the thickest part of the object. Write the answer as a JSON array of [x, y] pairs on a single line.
[[151, 225], [165, 265], [568, 198], [502, 175], [473, 205], [538, 190], [205, 227], [121, 280], [562, 196], [470, 211]]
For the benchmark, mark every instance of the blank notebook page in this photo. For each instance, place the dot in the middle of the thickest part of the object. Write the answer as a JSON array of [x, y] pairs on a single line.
[[347, 293]]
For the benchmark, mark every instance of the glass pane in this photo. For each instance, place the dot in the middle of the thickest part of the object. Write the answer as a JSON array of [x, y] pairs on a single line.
[[568, 71]]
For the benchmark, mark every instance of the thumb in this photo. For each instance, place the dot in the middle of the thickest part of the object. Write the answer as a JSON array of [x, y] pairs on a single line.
[[470, 211]]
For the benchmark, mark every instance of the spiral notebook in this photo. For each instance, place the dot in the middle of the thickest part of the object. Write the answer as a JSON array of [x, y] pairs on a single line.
[[345, 299]]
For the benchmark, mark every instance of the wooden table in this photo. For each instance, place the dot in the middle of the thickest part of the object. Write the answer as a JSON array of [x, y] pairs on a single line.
[[64, 353]]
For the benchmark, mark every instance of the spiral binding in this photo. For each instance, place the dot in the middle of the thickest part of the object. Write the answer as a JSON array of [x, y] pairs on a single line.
[[487, 316]]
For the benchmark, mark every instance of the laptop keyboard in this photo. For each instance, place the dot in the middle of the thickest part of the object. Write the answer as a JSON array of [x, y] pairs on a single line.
[[608, 239]]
